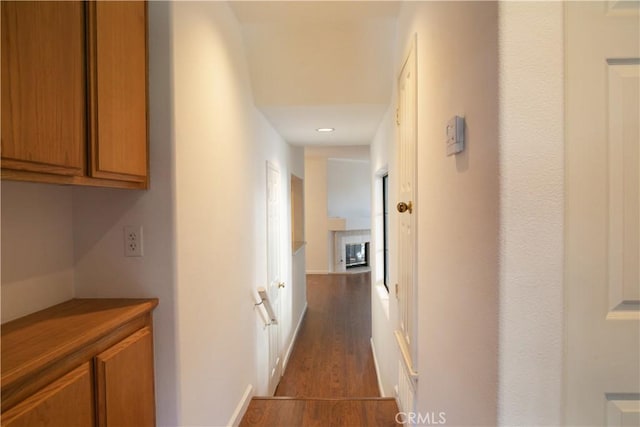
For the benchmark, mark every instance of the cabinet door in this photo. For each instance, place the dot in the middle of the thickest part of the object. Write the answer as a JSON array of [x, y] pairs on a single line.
[[43, 87], [124, 382], [118, 101], [66, 402]]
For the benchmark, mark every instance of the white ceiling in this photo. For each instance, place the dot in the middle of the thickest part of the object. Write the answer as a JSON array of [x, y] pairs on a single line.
[[320, 64], [352, 152]]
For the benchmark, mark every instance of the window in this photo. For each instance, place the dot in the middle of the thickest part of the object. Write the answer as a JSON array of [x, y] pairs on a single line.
[[385, 228]]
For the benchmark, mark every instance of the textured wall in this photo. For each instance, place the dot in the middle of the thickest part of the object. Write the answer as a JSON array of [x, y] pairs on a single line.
[[532, 198]]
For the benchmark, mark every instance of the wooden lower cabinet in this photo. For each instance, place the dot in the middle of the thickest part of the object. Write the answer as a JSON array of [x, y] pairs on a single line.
[[85, 362], [124, 382], [67, 401]]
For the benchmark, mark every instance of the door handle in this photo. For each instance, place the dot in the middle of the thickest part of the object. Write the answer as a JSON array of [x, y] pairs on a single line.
[[281, 285], [403, 207]]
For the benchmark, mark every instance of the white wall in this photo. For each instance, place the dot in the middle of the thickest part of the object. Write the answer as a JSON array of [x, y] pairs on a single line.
[[384, 307], [532, 199], [222, 146], [315, 214], [37, 247], [457, 206], [348, 188]]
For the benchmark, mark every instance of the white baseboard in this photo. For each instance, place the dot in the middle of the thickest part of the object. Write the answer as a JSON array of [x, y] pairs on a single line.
[[375, 363], [317, 272], [293, 338], [237, 415]]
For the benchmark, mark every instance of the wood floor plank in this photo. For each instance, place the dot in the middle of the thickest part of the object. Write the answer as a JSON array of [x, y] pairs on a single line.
[[332, 355], [275, 412]]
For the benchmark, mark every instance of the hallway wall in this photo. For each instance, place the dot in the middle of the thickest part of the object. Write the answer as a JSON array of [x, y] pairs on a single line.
[[532, 213], [222, 146], [458, 212]]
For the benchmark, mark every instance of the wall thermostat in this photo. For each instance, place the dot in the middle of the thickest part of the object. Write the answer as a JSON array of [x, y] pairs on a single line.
[[455, 135]]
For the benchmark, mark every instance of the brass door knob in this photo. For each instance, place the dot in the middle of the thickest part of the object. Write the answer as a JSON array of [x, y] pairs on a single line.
[[404, 207], [281, 285]]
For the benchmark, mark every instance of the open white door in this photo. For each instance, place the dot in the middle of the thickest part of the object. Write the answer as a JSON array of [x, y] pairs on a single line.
[[274, 271], [602, 382]]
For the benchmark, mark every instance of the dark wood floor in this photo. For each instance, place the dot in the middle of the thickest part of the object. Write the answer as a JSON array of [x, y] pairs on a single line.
[[330, 379], [280, 412], [332, 356]]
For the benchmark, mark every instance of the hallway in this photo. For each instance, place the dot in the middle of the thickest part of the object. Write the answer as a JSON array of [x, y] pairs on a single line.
[[332, 355], [330, 378], [517, 302]]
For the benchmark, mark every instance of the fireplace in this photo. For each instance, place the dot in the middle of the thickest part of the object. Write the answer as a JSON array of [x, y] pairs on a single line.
[[350, 249], [356, 254]]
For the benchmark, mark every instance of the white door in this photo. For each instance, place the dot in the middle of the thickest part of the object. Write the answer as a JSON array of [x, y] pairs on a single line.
[[406, 210], [274, 271], [602, 383]]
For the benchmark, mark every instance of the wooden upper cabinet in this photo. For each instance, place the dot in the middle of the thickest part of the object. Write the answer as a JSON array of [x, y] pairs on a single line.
[[118, 101], [43, 87], [74, 92]]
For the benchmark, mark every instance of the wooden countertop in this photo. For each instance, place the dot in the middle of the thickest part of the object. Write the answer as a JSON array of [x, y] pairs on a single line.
[[34, 341]]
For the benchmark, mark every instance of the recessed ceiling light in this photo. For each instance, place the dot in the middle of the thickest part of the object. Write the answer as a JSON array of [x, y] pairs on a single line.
[[325, 129]]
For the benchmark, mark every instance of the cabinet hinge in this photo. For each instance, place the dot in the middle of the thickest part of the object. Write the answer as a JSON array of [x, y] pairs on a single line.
[[398, 116], [396, 290]]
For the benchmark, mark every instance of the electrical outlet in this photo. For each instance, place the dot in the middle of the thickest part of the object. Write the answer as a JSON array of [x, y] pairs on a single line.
[[133, 240]]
